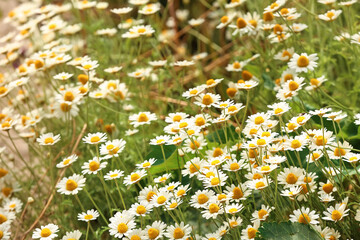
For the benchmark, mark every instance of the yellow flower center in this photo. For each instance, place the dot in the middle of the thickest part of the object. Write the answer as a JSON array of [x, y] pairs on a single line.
[[180, 192], [295, 144], [320, 141], [215, 181], [143, 117], [3, 172], [193, 92], [262, 213], [135, 177], [214, 208], [304, 218], [177, 118], [234, 166], [259, 120], [49, 140], [194, 168], [194, 145], [135, 237], [224, 19], [95, 139], [94, 165], [232, 108], [232, 210], [328, 187], [161, 199], [339, 152], [261, 142], [178, 233], [140, 210], [303, 61], [88, 217], [241, 23], [251, 233], [330, 15], [314, 82], [207, 99], [45, 232], [71, 185], [150, 195], [210, 82], [199, 121], [202, 198], [173, 205], [122, 228], [259, 185], [153, 233], [236, 65], [291, 178], [293, 85], [237, 193], [65, 107], [265, 168], [3, 218]]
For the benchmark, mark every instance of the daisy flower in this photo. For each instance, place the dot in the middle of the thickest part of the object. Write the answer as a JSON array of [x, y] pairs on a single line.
[[71, 185], [93, 166], [47, 232], [291, 192], [121, 224], [12, 205], [225, 20], [242, 27], [6, 217], [196, 22], [114, 174], [235, 66], [89, 215], [141, 209], [155, 231], [278, 109], [336, 213], [234, 109], [250, 231], [178, 231], [95, 138], [304, 216], [262, 214], [74, 235], [258, 184], [201, 198], [48, 139], [193, 92], [160, 140], [146, 164], [330, 15], [134, 177], [67, 161], [274, 6], [121, 11], [303, 62], [142, 118], [150, 9], [290, 176], [212, 210], [112, 148], [63, 76], [163, 178], [88, 65]]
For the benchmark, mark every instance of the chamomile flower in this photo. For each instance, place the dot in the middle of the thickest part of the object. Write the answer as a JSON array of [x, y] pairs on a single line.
[[250, 231], [263, 213], [63, 76], [290, 176], [74, 235], [304, 216], [94, 138], [201, 198], [303, 62], [258, 184], [12, 205], [178, 231], [7, 217], [121, 11], [142, 118], [236, 66], [89, 215], [330, 15], [134, 177], [163, 178], [225, 20], [212, 210], [146, 164], [160, 140], [291, 192], [193, 92], [278, 109], [121, 224], [336, 213], [67, 161], [274, 6], [112, 148], [155, 231], [71, 185], [88, 65], [93, 166], [47, 232], [114, 174], [141, 209], [48, 139]]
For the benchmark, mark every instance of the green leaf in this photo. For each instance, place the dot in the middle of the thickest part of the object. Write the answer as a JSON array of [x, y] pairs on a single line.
[[268, 83], [287, 231]]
